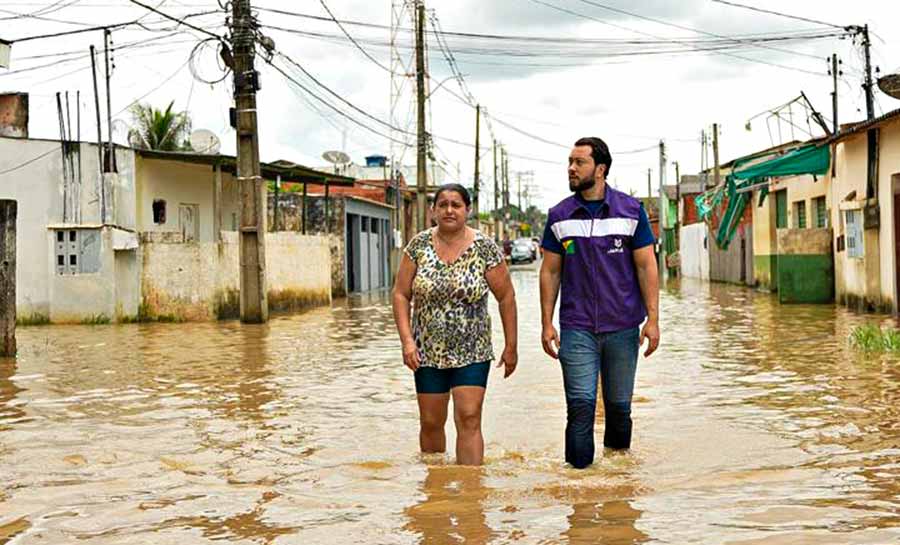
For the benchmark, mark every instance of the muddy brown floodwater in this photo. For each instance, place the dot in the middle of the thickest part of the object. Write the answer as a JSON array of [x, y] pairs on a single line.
[[754, 424]]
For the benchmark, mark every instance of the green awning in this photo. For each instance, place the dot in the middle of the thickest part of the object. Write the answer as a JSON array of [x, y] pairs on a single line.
[[811, 159]]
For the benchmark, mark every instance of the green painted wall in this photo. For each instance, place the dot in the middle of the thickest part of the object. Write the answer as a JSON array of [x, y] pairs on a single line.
[[765, 272], [805, 278]]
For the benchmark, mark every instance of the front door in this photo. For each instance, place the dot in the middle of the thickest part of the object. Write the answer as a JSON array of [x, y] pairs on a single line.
[[189, 222]]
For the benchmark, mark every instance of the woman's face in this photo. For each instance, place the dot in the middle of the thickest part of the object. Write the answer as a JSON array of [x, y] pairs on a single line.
[[450, 211]]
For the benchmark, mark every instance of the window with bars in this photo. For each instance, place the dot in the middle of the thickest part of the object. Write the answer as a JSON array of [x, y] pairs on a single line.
[[800, 214], [821, 212], [854, 234]]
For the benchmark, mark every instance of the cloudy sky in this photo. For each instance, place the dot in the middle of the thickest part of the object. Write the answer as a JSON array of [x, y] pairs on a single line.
[[632, 72]]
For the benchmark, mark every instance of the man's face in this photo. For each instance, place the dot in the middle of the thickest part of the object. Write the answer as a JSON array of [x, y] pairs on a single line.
[[582, 169]]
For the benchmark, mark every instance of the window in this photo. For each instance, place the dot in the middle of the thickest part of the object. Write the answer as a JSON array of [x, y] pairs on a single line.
[[159, 211], [800, 215], [854, 233], [821, 212], [781, 209]]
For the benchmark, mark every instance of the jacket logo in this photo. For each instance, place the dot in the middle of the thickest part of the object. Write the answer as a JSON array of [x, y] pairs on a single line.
[[569, 246], [617, 249]]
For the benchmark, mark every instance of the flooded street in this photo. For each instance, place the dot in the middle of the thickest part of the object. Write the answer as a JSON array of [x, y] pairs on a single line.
[[754, 424]]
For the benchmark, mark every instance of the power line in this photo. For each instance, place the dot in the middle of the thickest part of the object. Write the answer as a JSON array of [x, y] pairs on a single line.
[[682, 27], [349, 37], [748, 59], [28, 162], [806, 19], [181, 21]]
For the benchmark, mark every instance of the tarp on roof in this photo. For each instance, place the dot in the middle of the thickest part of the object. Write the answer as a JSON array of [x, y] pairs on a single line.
[[811, 159]]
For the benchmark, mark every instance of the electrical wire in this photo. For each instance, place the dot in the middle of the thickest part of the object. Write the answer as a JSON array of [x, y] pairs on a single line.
[[760, 10]]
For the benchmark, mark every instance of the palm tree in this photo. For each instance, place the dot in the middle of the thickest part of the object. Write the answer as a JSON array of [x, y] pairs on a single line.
[[159, 130]]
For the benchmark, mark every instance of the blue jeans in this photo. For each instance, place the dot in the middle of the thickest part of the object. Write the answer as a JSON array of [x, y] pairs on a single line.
[[585, 356]]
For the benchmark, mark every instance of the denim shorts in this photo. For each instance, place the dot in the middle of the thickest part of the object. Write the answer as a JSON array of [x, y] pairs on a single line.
[[430, 380]]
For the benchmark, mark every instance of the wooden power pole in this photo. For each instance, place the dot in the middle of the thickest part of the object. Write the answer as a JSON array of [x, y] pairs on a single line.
[[252, 236], [715, 136], [421, 168], [8, 213]]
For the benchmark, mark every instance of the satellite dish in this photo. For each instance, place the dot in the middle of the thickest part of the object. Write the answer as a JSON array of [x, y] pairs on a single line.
[[205, 142], [890, 85], [336, 157]]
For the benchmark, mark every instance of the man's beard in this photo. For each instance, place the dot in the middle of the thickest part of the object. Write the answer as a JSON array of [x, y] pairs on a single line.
[[582, 185]]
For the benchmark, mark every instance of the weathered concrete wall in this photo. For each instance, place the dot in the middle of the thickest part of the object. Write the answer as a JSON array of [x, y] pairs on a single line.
[[734, 265], [867, 282], [694, 251], [200, 281], [765, 243], [87, 296], [805, 266], [33, 177], [175, 183], [290, 207]]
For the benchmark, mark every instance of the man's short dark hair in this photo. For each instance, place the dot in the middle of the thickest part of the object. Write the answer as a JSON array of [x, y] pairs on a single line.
[[599, 151]]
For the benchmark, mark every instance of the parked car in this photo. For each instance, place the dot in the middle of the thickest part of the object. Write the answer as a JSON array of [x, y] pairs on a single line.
[[522, 250]]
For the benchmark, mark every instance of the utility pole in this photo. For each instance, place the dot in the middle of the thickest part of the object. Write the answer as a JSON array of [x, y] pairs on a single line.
[[8, 215], [519, 190], [111, 159], [477, 151], [703, 161], [872, 134], [505, 193], [496, 198], [835, 126], [252, 236], [102, 182], [716, 175], [662, 209], [677, 241], [649, 186], [421, 168]]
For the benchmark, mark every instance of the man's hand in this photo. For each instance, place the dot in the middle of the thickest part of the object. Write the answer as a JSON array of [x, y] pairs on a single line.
[[509, 360], [651, 333], [550, 341]]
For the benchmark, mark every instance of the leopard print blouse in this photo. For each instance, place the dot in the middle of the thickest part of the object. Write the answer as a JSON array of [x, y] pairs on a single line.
[[450, 321]]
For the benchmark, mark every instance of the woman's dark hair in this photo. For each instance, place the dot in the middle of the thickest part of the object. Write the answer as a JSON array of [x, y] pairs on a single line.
[[463, 192], [599, 151]]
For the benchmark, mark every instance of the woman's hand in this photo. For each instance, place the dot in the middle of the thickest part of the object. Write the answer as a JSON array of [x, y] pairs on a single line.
[[509, 359], [411, 355]]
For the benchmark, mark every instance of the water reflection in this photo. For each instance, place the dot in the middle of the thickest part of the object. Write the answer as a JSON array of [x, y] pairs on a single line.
[[9, 411], [452, 509]]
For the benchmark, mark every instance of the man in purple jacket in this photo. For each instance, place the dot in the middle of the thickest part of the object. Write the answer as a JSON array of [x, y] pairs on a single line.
[[599, 256]]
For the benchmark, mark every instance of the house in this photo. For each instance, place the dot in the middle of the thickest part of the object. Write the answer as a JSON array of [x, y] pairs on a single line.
[[865, 213], [156, 239]]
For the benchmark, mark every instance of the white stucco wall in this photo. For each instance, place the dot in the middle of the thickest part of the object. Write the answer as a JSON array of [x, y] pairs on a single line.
[[195, 281], [872, 276], [694, 251]]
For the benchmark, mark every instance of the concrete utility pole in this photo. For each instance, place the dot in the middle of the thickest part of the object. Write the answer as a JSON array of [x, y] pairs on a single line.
[[872, 134], [519, 190], [496, 197], [102, 182], [477, 151], [252, 239], [649, 185], [677, 198], [111, 159], [662, 209], [421, 168], [8, 213], [716, 176], [835, 126]]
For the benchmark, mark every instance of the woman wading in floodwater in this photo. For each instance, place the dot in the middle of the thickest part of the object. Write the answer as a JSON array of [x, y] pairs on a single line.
[[446, 273]]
